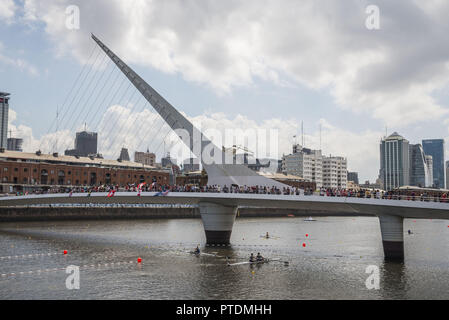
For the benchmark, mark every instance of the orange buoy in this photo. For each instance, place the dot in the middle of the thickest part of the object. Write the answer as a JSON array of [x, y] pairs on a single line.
[[65, 251], [139, 260]]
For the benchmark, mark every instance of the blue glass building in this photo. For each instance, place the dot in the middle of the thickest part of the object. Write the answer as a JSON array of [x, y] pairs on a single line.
[[435, 148]]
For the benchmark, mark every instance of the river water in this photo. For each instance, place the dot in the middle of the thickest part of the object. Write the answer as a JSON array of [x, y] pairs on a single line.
[[332, 265]]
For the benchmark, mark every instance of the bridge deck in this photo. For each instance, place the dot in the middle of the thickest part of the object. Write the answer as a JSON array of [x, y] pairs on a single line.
[[375, 207]]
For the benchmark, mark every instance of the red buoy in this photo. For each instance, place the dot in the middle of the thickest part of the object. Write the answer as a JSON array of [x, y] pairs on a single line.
[[304, 245], [307, 234], [139, 260], [65, 251]]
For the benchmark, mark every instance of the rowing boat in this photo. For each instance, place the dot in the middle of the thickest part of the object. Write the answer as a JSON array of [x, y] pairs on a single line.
[[214, 254], [253, 262]]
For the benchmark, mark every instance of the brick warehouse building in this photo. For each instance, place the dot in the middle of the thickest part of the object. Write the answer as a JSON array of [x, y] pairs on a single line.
[[21, 171]]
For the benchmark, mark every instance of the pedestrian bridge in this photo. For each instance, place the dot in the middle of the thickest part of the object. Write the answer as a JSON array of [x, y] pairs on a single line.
[[218, 210]]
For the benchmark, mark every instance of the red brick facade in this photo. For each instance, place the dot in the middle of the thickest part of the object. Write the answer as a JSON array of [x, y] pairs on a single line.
[[31, 173]]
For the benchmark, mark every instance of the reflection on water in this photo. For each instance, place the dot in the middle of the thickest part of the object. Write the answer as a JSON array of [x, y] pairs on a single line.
[[331, 265]]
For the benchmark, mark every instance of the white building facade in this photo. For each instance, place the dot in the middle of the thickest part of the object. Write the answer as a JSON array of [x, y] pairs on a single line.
[[311, 165], [335, 172]]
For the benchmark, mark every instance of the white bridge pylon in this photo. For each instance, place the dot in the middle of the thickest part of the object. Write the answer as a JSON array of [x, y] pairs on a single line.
[[218, 164]]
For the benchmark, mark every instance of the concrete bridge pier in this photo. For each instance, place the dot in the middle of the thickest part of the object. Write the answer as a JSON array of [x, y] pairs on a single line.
[[218, 221], [392, 231]]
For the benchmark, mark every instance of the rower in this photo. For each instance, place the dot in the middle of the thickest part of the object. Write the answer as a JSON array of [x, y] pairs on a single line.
[[259, 257], [251, 258], [197, 250], [267, 236]]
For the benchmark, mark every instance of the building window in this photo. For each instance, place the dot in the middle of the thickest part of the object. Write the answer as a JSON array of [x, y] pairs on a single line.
[[16, 169], [25, 169], [5, 169]]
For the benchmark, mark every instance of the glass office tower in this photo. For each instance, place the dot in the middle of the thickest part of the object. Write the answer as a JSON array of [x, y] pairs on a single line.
[[435, 148]]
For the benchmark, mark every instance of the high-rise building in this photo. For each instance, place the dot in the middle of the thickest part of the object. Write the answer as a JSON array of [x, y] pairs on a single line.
[[354, 177], [85, 144], [4, 111], [419, 167], [146, 158], [335, 173], [124, 155], [435, 148], [394, 161], [304, 163], [14, 144]]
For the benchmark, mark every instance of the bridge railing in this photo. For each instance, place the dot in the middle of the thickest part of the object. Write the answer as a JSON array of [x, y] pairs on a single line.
[[424, 198]]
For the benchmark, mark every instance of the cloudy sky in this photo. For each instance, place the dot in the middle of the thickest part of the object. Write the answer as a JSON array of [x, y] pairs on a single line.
[[226, 65]]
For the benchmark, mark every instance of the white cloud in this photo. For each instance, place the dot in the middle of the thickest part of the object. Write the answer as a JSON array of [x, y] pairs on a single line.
[[388, 74], [7, 10], [18, 63]]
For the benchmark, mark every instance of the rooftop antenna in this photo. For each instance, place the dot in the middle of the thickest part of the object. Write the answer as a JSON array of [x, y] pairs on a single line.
[[320, 136], [302, 133], [56, 130]]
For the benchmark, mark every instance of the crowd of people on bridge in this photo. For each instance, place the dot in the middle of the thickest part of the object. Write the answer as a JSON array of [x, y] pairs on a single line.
[[412, 195]]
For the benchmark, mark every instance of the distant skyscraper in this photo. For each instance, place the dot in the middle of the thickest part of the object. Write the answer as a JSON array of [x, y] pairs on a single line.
[[394, 161], [85, 144], [15, 144], [435, 148], [124, 155], [353, 176], [4, 111], [420, 175]]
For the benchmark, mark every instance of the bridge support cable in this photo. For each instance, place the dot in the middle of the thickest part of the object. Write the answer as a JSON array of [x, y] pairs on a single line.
[[151, 129], [134, 130], [218, 221], [80, 110], [100, 93], [85, 83], [117, 127], [103, 106], [102, 123], [72, 88], [107, 133], [392, 231]]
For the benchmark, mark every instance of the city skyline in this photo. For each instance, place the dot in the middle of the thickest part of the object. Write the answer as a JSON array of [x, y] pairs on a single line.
[[243, 87]]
